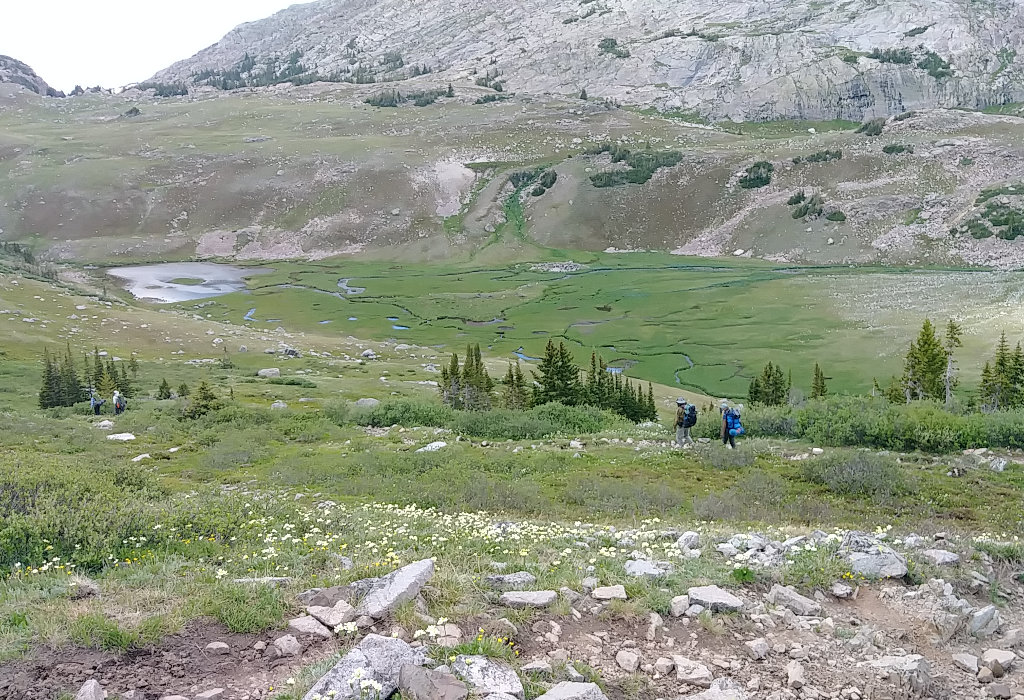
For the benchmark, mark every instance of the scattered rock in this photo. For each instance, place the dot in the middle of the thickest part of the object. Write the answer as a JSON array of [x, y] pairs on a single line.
[[692, 672], [121, 437], [758, 649], [433, 447], [664, 666], [870, 558], [269, 373], [528, 599], [644, 569], [1000, 690], [218, 648], [487, 676], [287, 645], [81, 587], [795, 675], [331, 617], [714, 599], [380, 658], [787, 597], [679, 605], [309, 626], [92, 690], [367, 403], [418, 683], [985, 622], [688, 540], [279, 405], [966, 662], [567, 690], [212, 694], [508, 582], [398, 587], [721, 689], [999, 661], [609, 593], [628, 660], [540, 667], [842, 591], [940, 557], [912, 669]]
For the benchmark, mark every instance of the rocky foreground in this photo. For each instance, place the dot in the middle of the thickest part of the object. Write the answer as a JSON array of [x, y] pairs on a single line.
[[870, 635]]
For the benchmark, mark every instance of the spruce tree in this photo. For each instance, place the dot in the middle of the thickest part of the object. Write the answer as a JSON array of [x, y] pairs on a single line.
[[204, 401], [106, 386], [97, 367], [71, 391], [124, 384], [450, 92], [164, 391], [557, 377], [652, 407], [49, 390], [583, 94], [819, 389], [951, 343], [925, 365], [183, 390], [133, 365]]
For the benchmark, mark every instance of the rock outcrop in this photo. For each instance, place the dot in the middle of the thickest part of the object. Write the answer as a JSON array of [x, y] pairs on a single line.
[[736, 60], [14, 71]]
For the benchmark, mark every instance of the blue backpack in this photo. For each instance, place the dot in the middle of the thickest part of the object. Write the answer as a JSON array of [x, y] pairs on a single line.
[[732, 423]]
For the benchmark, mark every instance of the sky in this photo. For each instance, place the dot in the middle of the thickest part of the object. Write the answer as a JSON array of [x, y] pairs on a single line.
[[115, 42]]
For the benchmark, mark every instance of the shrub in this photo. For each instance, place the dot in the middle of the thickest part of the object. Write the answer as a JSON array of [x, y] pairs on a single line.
[[898, 56], [873, 127], [757, 175], [611, 46], [936, 66], [642, 165], [797, 198], [904, 116], [292, 381], [837, 216], [812, 208], [897, 148], [856, 474], [387, 98], [487, 99], [405, 412]]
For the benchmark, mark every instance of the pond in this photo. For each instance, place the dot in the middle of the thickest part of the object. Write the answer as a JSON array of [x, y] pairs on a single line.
[[168, 283]]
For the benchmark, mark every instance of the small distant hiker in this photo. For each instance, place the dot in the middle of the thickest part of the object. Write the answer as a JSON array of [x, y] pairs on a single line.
[[731, 425], [95, 401], [686, 418], [119, 403]]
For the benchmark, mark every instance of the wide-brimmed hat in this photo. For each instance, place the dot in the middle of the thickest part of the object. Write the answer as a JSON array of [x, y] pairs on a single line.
[[680, 401]]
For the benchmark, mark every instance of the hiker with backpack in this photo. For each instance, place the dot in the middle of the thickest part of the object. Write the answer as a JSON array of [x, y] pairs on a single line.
[[95, 402], [731, 425], [119, 403], [686, 418]]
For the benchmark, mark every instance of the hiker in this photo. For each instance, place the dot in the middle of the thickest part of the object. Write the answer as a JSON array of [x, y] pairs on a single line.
[[95, 401], [686, 418], [119, 403], [731, 425]]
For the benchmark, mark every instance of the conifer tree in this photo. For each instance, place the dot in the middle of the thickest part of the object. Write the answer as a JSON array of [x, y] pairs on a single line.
[[652, 407], [204, 401], [770, 388], [183, 390], [583, 94], [49, 390], [951, 343], [557, 377], [819, 389], [106, 386], [925, 365], [124, 385], [133, 365], [450, 92], [71, 390], [97, 367], [164, 391], [515, 396]]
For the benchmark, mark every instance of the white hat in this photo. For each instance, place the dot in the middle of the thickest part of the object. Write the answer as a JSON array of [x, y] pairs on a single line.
[[680, 401]]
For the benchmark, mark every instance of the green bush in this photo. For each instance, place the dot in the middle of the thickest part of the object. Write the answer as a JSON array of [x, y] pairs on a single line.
[[611, 46], [897, 148], [406, 412], [898, 56], [797, 198], [757, 175], [292, 381], [856, 474], [642, 165], [837, 216], [873, 127]]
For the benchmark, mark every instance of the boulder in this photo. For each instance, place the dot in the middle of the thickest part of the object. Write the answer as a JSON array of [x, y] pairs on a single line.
[[721, 689], [940, 557], [985, 622], [396, 588], [567, 690], [842, 591], [367, 403], [510, 582], [380, 659], [912, 669], [218, 648], [340, 613], [418, 683], [609, 593], [287, 645], [679, 605], [528, 599], [121, 437], [714, 599], [688, 540], [279, 405], [999, 661], [692, 672], [433, 447], [786, 597], [309, 626], [870, 558], [539, 667], [966, 662], [664, 666], [758, 649], [628, 660], [795, 675], [644, 569], [486, 676], [212, 694], [92, 690], [269, 373]]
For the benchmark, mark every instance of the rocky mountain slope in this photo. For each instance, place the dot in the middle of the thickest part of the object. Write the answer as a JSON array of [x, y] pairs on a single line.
[[14, 71], [739, 59]]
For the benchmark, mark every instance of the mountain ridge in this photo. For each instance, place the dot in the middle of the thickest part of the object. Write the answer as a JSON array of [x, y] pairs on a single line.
[[14, 71], [739, 60]]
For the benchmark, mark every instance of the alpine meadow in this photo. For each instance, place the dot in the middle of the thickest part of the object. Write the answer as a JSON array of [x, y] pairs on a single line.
[[564, 350]]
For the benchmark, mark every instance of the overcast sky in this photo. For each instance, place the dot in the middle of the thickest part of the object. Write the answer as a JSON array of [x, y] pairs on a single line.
[[115, 42]]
